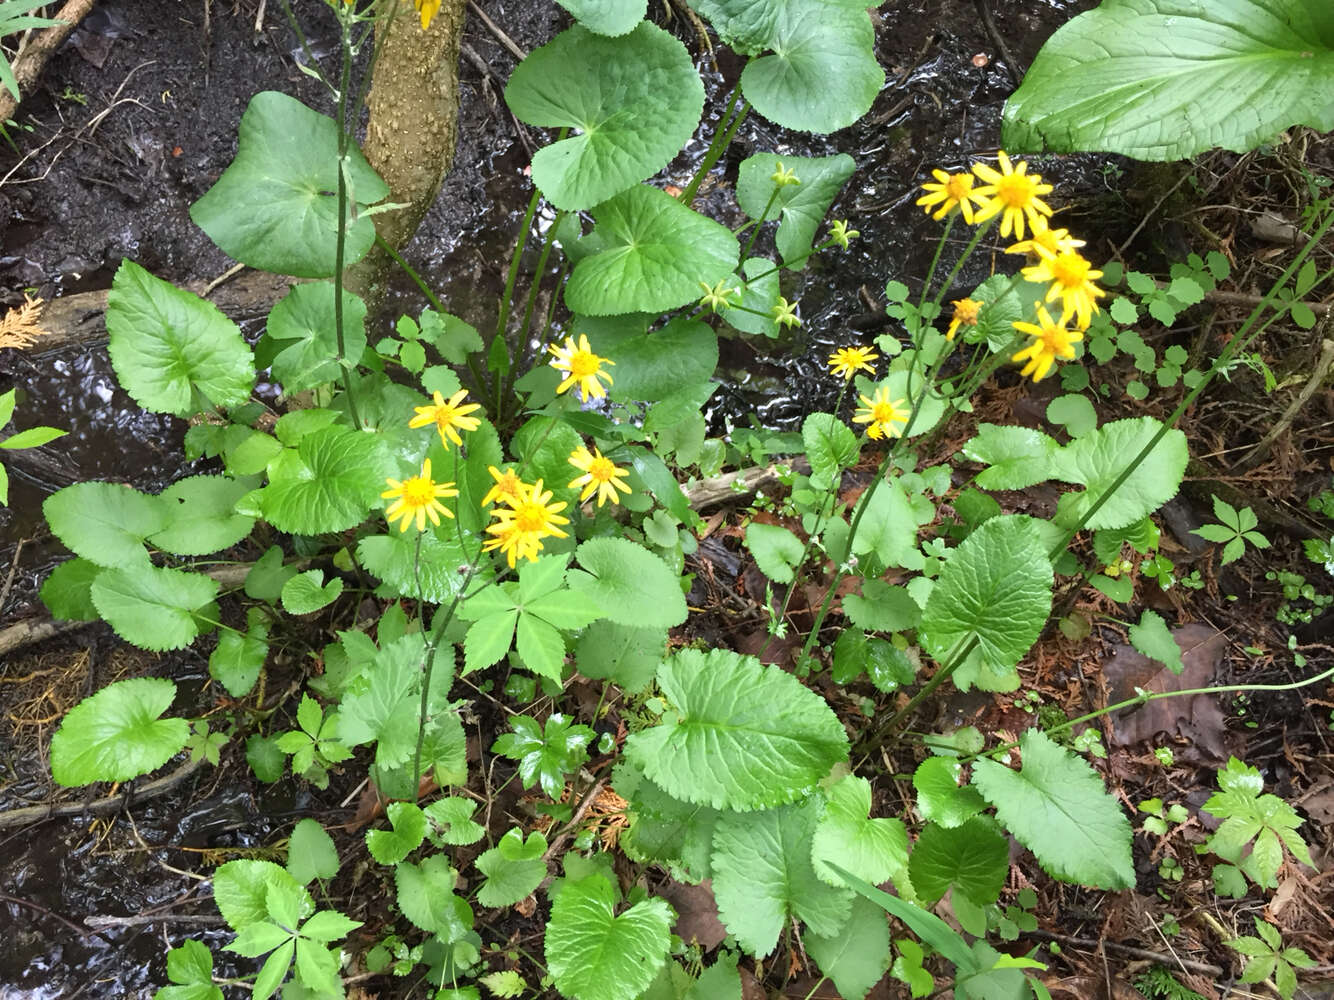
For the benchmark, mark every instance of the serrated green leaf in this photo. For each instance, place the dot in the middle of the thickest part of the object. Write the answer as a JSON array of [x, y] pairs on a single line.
[[451, 822], [200, 515], [873, 849], [240, 890], [1017, 457], [830, 446], [311, 853], [389, 847], [425, 894], [881, 607], [307, 592], [513, 868], [799, 207], [540, 647], [888, 528], [238, 658], [857, 958], [1097, 460], [629, 584], [1073, 412], [329, 484], [33, 437], [152, 607], [545, 756], [627, 656], [116, 734], [664, 829], [595, 954], [305, 336], [745, 737], [274, 971], [776, 551], [1056, 806], [940, 799], [973, 857], [431, 574], [1154, 639], [105, 523], [328, 925], [67, 591]]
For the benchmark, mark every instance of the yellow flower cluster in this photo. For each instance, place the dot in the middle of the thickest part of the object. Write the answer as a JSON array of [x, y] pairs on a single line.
[[1016, 196], [418, 497]]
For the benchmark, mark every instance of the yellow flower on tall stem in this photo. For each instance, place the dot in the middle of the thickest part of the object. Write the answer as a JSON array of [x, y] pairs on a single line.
[[600, 476], [523, 523], [966, 313], [882, 417], [449, 416], [847, 360], [1012, 193], [1053, 241], [950, 192], [1071, 277], [417, 498], [581, 367], [509, 487], [1051, 340]]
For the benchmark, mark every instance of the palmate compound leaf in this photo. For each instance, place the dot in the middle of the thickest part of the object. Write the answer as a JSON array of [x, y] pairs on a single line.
[[744, 736], [116, 734], [994, 593], [275, 208], [799, 207], [762, 876], [169, 346], [634, 100], [651, 253], [153, 607], [595, 954], [1167, 79], [1056, 806]]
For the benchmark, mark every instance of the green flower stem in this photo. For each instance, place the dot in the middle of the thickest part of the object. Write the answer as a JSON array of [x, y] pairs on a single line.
[[982, 231], [507, 297], [722, 138], [536, 286], [340, 247], [935, 261], [755, 233]]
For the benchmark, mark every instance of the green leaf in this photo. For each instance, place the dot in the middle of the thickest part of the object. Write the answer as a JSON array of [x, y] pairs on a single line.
[[777, 551], [1074, 412], [993, 594], [329, 485], [431, 575], [116, 735], [888, 527], [745, 736], [489, 639], [311, 853], [238, 658], [513, 869], [389, 847], [545, 756], [169, 347], [594, 954], [275, 207], [760, 293], [451, 822], [303, 325], [152, 607], [887, 666], [265, 580], [307, 592], [33, 437], [540, 647], [1056, 806], [634, 101], [265, 759], [927, 926], [273, 972], [651, 253], [425, 894], [627, 656], [873, 849], [655, 365], [200, 516], [241, 890], [67, 591], [665, 829], [328, 925], [106, 523], [973, 857], [192, 965], [799, 207], [1098, 458], [1017, 457], [859, 956], [940, 799], [831, 447], [1167, 79], [882, 608], [606, 17], [629, 584], [763, 876], [1154, 639]]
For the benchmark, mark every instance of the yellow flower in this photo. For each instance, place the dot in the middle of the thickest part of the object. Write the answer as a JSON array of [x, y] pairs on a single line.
[[1051, 340], [782, 177], [509, 487], [417, 497], [448, 415], [966, 313], [521, 526], [840, 233], [952, 191], [1054, 241], [1071, 277], [846, 360], [600, 476], [428, 9], [717, 297], [882, 415], [1012, 193], [580, 366]]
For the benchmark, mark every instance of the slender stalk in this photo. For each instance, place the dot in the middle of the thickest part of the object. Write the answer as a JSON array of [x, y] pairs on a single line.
[[722, 137], [536, 286], [340, 247], [755, 232], [507, 297]]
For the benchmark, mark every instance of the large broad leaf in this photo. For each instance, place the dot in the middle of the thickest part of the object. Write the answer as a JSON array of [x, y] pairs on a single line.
[[594, 954], [873, 849], [1166, 79], [606, 17], [651, 253], [830, 446], [663, 828], [744, 736], [116, 734], [106, 523], [973, 857], [888, 527], [169, 347], [329, 485], [1056, 806], [1016, 457], [153, 607], [652, 366], [993, 594], [857, 958], [821, 74], [305, 335], [1098, 458], [799, 207], [635, 100], [200, 516], [762, 876], [429, 574], [629, 583], [276, 206]]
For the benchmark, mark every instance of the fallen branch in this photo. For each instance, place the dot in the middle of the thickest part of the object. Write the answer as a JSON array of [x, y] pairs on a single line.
[[28, 815], [31, 60], [1130, 951]]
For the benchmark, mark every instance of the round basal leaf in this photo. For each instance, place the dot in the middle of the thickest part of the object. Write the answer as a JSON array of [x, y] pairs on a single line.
[[777, 551], [654, 365], [434, 576], [330, 485], [311, 853], [800, 207], [607, 17], [635, 100], [1074, 412], [1167, 79], [993, 593], [940, 798], [873, 849], [238, 658], [169, 347], [67, 591], [593, 954], [743, 736], [116, 734], [200, 517], [276, 207], [629, 583], [303, 326], [974, 857], [903, 385], [307, 592], [627, 656], [106, 523], [652, 252], [152, 607], [1099, 457]]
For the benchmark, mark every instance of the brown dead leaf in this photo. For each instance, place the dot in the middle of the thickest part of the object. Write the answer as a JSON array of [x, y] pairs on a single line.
[[697, 913]]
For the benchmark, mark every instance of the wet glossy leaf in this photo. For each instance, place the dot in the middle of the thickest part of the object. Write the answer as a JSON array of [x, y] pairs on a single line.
[[973, 857]]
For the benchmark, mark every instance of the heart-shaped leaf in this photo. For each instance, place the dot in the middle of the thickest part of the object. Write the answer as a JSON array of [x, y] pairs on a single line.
[[116, 734], [304, 335], [593, 953], [799, 207]]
